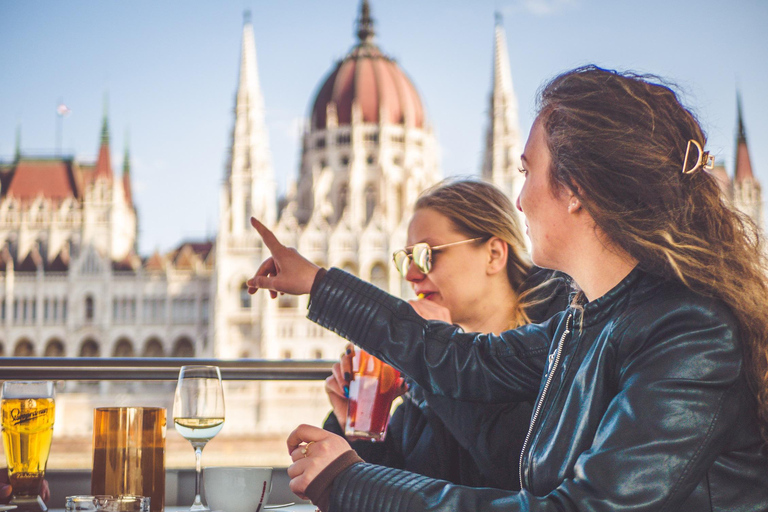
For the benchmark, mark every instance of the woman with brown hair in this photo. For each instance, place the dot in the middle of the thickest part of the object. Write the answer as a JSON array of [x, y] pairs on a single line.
[[652, 394], [465, 259]]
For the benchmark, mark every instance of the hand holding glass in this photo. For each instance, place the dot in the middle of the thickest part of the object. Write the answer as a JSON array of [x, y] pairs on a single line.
[[198, 413]]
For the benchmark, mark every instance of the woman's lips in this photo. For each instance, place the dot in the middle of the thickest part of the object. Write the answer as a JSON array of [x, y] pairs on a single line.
[[426, 295]]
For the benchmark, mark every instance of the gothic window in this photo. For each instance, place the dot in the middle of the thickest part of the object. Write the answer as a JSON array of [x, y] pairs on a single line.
[[46, 310], [2, 310], [350, 268], [343, 191], [371, 137], [89, 309], [64, 309], [248, 211], [342, 139], [287, 301], [245, 297], [54, 348], [89, 348], [204, 314], [345, 160], [379, 276], [183, 348], [370, 202], [287, 354], [320, 143], [369, 159], [124, 348], [153, 348], [24, 348], [2, 350], [317, 353]]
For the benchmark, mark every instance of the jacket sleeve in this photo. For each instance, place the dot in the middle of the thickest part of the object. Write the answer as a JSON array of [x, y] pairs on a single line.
[[680, 401], [438, 356]]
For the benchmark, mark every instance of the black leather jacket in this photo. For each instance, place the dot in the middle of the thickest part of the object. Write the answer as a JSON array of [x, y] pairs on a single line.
[[466, 443], [641, 397]]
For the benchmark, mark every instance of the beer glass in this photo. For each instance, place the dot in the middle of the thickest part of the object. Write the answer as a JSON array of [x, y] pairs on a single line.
[[198, 412], [371, 392], [28, 411], [129, 453]]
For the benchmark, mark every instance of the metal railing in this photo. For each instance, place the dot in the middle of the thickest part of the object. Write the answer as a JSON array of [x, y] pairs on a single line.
[[159, 368]]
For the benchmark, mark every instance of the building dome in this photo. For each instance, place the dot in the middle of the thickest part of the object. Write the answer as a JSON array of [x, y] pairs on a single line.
[[373, 81]]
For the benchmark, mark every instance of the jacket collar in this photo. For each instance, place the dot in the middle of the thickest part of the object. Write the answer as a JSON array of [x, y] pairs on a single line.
[[599, 309]]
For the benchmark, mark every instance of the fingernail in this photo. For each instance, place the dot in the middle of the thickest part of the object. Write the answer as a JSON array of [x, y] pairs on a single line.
[[347, 376], [346, 391]]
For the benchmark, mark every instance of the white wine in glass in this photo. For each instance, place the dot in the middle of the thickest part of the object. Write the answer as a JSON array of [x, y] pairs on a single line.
[[198, 413]]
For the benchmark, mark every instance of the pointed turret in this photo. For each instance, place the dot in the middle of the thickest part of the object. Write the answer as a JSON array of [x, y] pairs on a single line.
[[501, 159], [743, 167], [747, 193], [127, 175], [251, 184], [365, 31], [17, 151], [103, 163]]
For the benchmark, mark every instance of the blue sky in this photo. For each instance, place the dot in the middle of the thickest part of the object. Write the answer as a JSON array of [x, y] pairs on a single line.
[[170, 70]]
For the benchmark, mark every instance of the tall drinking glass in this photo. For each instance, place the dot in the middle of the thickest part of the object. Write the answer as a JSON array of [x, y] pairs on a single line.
[[28, 411], [198, 412]]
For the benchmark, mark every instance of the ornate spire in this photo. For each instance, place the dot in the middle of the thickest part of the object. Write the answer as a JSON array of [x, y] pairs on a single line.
[[105, 123], [742, 136], [103, 164], [17, 152], [501, 159], [743, 165], [365, 30]]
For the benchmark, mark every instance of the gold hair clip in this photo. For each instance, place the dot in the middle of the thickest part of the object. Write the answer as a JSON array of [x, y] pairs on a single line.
[[704, 161]]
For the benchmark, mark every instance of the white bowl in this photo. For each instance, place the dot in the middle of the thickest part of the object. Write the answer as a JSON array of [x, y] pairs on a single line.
[[237, 489]]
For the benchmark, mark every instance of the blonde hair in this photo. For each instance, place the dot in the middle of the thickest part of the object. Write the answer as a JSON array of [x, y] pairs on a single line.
[[618, 142], [480, 210]]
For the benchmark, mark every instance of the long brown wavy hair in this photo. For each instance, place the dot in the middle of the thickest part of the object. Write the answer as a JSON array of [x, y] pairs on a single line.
[[618, 141], [478, 209]]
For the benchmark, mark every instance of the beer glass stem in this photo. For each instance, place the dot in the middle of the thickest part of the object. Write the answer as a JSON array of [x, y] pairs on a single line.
[[198, 504]]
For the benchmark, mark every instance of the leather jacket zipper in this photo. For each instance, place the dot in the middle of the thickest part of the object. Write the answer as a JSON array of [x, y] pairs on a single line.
[[551, 368]]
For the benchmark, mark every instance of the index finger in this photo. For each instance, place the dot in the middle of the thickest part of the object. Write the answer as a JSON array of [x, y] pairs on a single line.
[[270, 240], [304, 434]]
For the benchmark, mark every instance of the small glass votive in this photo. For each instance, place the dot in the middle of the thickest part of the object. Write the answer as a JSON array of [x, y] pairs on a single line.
[[106, 503]]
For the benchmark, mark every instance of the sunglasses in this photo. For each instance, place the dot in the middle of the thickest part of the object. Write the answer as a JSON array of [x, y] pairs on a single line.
[[421, 255]]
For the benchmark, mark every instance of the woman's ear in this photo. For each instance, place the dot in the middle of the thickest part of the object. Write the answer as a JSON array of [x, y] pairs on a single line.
[[497, 254], [574, 204]]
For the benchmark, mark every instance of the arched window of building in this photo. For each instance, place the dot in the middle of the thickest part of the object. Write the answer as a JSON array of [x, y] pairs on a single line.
[[370, 202], [54, 348], [343, 192], [245, 297], [124, 348], [183, 348], [379, 276], [2, 349], [349, 267], [153, 348], [317, 353], [89, 308], [24, 348], [287, 354], [89, 348]]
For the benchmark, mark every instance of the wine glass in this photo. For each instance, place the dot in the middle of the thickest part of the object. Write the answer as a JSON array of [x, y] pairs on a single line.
[[198, 412]]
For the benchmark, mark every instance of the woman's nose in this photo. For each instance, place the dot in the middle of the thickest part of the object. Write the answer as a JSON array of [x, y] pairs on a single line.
[[517, 203], [414, 275]]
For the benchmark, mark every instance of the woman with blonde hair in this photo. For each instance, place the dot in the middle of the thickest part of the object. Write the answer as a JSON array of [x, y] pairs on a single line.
[[465, 258], [653, 386]]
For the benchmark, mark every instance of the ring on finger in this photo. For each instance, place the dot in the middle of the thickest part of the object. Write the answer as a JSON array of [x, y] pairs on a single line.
[[305, 449]]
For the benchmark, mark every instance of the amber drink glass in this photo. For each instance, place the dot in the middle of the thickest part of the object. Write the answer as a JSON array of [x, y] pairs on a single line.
[[129, 453], [371, 392]]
